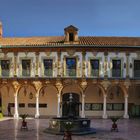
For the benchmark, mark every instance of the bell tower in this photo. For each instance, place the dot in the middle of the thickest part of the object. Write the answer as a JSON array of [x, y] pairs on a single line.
[[71, 35]]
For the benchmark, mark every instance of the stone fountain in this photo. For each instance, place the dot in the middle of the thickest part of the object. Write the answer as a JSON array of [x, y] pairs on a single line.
[[81, 126]]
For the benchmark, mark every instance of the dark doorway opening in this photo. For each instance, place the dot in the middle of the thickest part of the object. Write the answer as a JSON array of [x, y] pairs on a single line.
[[75, 105]]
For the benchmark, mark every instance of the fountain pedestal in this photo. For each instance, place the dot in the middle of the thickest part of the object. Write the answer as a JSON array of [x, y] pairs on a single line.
[[80, 126]]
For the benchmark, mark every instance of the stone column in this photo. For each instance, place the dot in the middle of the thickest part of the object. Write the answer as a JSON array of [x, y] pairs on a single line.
[[126, 116], [127, 85], [104, 107], [58, 105], [16, 115], [16, 86], [37, 107], [83, 106], [83, 85], [59, 87], [38, 86], [106, 83]]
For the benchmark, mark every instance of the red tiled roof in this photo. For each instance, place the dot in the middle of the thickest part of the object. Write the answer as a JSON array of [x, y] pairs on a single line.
[[59, 40]]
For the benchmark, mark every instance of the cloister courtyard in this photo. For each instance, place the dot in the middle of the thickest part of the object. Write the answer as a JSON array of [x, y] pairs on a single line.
[[10, 130]]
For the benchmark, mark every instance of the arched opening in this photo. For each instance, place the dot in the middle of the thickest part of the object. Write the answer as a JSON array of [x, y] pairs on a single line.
[[48, 101], [115, 101], [75, 91], [68, 107], [27, 100], [134, 101], [7, 97], [94, 101]]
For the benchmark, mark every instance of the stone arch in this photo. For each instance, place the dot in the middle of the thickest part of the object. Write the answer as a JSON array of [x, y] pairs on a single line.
[[26, 96], [76, 88], [94, 96], [116, 100], [76, 91], [122, 87], [48, 100], [7, 97]]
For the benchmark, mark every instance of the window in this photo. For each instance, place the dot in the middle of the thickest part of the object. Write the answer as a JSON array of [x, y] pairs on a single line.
[[136, 68], [48, 67], [31, 105], [71, 66], [116, 68], [71, 37], [93, 106], [5, 67], [26, 67], [115, 106], [94, 67], [42, 105]]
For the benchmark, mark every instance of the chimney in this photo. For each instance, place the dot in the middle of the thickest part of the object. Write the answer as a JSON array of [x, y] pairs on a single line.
[[0, 29]]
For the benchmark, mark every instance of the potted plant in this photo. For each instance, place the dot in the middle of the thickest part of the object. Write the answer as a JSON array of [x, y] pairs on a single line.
[[114, 124], [67, 130], [24, 123]]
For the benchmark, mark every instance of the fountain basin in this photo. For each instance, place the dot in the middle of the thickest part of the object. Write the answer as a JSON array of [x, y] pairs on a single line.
[[81, 126]]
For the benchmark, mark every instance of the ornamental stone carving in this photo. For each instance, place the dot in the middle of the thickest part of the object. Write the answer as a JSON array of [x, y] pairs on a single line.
[[16, 85], [105, 84], [83, 84], [127, 83], [59, 85], [71, 52], [37, 84]]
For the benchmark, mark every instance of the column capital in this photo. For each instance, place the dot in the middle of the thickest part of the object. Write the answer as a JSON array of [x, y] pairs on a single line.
[[58, 95], [105, 95], [127, 83], [16, 85], [37, 84], [59, 85], [83, 84], [126, 96], [105, 84]]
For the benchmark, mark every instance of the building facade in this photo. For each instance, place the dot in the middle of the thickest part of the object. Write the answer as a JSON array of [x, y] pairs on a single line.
[[37, 74]]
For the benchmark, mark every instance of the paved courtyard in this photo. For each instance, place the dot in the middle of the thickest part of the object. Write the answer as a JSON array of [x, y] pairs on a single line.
[[128, 130]]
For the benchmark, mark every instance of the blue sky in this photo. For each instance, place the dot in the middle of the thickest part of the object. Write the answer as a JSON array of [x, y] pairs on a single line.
[[50, 17]]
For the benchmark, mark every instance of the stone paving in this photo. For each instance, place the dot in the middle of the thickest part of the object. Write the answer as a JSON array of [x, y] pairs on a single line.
[[128, 130]]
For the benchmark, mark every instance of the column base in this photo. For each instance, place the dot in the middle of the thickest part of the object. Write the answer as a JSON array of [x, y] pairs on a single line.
[[37, 116], [104, 116], [126, 116], [16, 116]]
